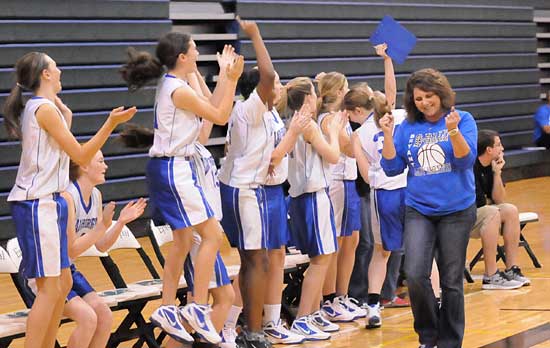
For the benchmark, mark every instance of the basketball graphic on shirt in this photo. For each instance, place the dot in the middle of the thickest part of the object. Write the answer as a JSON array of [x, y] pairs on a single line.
[[431, 157]]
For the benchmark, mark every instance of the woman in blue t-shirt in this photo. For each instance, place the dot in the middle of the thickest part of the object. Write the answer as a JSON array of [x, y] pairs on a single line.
[[438, 145]]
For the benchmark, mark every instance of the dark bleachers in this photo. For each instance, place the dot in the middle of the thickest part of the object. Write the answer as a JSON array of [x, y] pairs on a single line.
[[88, 40], [487, 49]]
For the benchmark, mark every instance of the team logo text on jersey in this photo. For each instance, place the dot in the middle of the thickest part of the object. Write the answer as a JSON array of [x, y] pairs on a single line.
[[85, 224]]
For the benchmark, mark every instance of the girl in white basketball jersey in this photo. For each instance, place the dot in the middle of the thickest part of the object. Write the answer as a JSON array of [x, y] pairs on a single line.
[[174, 187], [242, 178], [310, 210], [220, 285], [90, 225], [39, 212], [337, 306]]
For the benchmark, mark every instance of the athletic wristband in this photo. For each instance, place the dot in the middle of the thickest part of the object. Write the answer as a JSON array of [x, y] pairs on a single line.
[[453, 132]]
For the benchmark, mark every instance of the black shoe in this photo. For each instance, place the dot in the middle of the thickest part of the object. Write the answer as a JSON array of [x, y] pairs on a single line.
[[252, 340]]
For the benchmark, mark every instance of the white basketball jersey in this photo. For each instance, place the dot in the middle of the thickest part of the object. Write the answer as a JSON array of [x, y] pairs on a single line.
[[175, 130], [86, 213], [372, 142], [280, 172], [307, 170], [346, 168], [249, 144], [44, 166]]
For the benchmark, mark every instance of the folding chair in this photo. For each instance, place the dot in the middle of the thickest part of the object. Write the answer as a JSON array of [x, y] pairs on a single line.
[[143, 291], [524, 219], [25, 293], [296, 265]]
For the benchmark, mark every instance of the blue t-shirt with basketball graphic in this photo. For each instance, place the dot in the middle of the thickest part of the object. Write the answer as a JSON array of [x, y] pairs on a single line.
[[438, 183]]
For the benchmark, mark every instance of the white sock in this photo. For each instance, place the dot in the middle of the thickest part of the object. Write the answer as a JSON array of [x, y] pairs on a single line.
[[233, 316], [272, 312]]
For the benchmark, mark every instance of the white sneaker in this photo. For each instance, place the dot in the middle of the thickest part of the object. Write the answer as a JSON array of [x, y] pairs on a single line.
[[334, 311], [323, 323], [499, 281], [352, 306], [374, 319], [278, 333], [304, 327], [168, 319], [228, 338], [198, 317]]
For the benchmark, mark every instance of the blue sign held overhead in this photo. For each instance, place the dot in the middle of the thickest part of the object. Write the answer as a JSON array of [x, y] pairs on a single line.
[[400, 41]]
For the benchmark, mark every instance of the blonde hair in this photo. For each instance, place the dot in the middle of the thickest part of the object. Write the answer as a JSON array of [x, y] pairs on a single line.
[[381, 106], [329, 85], [362, 96], [293, 95]]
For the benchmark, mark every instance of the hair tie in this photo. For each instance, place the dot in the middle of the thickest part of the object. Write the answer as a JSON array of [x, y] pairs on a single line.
[[20, 86]]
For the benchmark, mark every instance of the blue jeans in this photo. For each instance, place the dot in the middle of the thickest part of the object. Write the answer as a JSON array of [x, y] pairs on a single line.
[[359, 282], [447, 236], [392, 275]]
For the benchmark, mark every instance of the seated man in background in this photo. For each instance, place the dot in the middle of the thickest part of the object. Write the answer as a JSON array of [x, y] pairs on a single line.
[[495, 217], [542, 124]]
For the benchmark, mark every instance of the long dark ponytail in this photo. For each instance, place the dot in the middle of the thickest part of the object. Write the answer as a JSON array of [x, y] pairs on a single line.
[[141, 67], [28, 70]]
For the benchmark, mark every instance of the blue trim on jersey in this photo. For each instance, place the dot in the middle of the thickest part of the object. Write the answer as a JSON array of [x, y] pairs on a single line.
[[193, 166], [155, 118], [37, 97], [262, 205], [316, 223], [170, 76], [171, 182], [36, 236], [86, 208], [332, 220]]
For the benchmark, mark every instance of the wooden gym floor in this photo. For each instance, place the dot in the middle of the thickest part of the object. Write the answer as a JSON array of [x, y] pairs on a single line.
[[514, 318]]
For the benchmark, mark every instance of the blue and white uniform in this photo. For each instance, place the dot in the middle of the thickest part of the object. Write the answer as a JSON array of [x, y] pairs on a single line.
[[39, 212], [211, 186], [243, 174], [343, 194], [86, 217], [312, 226], [175, 192], [387, 193], [276, 203]]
